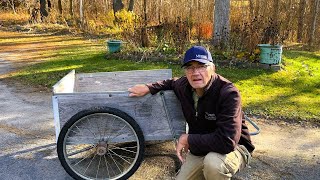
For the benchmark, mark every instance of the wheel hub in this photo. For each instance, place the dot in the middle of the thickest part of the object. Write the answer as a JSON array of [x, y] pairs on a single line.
[[102, 148]]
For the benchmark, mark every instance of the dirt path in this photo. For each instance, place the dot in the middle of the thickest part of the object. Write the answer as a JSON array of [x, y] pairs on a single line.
[[283, 151]]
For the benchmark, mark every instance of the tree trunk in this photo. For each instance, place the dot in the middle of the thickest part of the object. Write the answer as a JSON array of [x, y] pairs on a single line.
[[117, 5], [315, 12], [144, 35], [105, 6], [131, 4], [159, 12], [12, 6], [43, 9], [275, 15], [251, 9], [96, 7], [60, 7], [49, 5], [81, 12], [287, 24], [257, 9], [221, 23], [190, 9], [71, 8], [301, 13]]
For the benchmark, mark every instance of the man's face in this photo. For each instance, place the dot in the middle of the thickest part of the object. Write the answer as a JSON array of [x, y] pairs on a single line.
[[198, 74]]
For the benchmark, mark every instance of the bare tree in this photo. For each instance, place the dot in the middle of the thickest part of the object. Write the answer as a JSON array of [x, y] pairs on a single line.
[[49, 5], [71, 8], [131, 4], [117, 5], [81, 12], [43, 9], [275, 15], [288, 23], [105, 5], [251, 9], [221, 23], [301, 14], [13, 6], [257, 8], [144, 35], [315, 12], [60, 7]]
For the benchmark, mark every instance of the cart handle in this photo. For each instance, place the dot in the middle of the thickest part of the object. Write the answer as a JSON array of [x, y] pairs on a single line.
[[253, 124]]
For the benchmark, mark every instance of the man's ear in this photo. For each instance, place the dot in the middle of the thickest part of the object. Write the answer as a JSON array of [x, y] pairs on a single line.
[[213, 67]]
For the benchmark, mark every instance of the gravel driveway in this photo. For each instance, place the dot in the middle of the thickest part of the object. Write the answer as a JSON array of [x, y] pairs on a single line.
[[27, 134]]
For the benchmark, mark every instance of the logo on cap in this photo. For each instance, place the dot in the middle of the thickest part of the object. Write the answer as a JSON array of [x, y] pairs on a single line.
[[200, 56]]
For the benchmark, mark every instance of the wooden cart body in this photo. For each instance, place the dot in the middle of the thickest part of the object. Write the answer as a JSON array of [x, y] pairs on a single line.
[[159, 116]]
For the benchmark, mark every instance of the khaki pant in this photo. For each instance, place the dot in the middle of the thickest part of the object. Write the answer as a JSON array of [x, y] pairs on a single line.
[[214, 165]]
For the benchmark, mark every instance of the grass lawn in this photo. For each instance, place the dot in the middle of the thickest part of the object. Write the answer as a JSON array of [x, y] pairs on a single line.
[[293, 93]]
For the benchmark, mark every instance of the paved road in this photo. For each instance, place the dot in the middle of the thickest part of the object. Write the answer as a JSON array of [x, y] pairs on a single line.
[[27, 138]]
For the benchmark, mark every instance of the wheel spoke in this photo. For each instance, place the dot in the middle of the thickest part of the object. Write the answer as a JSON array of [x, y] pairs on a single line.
[[90, 163], [124, 149], [110, 128], [98, 168], [115, 162], [86, 128], [82, 159], [106, 162], [81, 151], [118, 133], [98, 130], [89, 129], [121, 157]]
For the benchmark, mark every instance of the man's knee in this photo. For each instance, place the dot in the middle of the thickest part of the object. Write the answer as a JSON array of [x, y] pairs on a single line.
[[214, 164]]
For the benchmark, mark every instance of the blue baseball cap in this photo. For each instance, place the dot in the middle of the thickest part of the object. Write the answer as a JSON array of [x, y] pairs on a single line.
[[197, 53]]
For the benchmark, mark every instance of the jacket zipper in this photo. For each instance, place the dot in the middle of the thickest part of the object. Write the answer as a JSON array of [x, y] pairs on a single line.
[[197, 110]]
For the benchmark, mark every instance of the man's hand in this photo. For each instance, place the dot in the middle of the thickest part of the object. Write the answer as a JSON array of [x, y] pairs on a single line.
[[182, 145], [138, 90]]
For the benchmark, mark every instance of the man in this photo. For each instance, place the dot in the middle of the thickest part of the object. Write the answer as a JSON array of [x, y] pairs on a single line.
[[218, 142]]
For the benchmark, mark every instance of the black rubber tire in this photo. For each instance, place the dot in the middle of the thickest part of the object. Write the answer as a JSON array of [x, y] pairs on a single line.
[[98, 110]]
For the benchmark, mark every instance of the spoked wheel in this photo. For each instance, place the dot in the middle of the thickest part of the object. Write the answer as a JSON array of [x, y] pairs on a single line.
[[101, 143]]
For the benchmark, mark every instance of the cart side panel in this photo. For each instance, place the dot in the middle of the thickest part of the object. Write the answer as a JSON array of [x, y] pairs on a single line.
[[55, 107], [118, 81], [66, 84], [148, 111]]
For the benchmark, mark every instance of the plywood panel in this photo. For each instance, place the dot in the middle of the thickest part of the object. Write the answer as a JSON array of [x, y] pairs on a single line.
[[118, 81], [149, 111]]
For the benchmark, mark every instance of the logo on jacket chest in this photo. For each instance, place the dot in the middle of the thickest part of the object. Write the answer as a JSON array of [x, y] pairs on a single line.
[[211, 117]]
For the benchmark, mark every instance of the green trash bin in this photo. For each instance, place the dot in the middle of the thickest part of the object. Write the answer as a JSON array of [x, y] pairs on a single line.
[[270, 54], [114, 45]]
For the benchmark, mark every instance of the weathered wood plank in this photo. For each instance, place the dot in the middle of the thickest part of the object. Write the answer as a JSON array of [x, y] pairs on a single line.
[[118, 81]]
